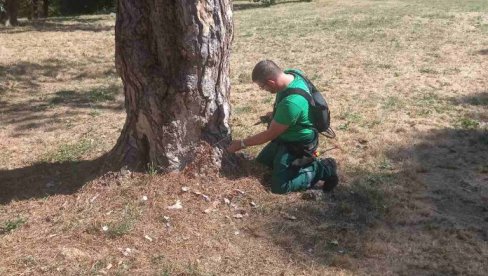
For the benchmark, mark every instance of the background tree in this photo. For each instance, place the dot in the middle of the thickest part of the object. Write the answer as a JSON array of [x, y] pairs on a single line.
[[34, 11], [173, 58], [3, 12], [73, 7], [11, 9], [45, 8]]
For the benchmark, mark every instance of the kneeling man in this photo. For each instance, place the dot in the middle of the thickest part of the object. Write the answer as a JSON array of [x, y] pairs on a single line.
[[292, 138]]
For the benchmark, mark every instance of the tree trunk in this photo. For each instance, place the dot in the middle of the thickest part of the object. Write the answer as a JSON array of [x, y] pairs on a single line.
[[35, 9], [173, 58], [3, 17], [12, 8], [45, 8]]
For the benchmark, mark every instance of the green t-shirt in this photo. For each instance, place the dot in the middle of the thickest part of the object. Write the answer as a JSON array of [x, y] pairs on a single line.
[[293, 112]]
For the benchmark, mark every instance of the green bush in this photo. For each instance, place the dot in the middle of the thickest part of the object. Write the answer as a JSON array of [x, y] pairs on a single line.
[[74, 7]]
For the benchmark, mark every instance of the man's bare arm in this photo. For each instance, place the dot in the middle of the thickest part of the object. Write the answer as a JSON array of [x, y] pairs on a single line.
[[274, 130]]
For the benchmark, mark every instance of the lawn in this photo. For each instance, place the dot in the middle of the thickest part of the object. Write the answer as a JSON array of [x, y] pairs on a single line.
[[407, 84]]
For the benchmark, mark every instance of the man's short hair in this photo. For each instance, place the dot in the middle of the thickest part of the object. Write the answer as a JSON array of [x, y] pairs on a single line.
[[265, 70]]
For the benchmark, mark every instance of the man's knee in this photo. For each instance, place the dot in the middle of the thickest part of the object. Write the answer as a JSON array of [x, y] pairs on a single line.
[[279, 186], [278, 190]]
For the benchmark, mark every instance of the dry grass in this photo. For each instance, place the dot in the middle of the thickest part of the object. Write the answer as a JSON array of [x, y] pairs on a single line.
[[407, 83]]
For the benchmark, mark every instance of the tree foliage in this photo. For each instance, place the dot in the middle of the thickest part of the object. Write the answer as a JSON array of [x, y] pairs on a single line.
[[73, 7]]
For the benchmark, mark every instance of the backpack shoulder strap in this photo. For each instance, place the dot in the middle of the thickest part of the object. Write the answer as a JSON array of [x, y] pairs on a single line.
[[313, 89], [295, 91], [301, 92]]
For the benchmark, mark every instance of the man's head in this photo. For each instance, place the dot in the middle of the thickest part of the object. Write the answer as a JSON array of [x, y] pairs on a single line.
[[268, 76]]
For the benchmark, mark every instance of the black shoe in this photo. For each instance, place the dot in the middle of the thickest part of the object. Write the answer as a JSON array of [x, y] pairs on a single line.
[[330, 182]]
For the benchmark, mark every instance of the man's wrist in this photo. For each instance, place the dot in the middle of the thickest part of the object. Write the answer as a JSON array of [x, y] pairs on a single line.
[[243, 145]]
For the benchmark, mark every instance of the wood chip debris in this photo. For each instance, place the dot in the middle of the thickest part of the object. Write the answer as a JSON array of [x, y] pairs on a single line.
[[207, 211], [288, 216], [148, 238], [185, 189], [127, 251], [94, 198], [176, 206], [239, 191], [206, 197]]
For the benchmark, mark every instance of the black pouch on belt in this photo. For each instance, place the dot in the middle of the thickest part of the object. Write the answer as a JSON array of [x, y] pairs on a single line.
[[303, 151]]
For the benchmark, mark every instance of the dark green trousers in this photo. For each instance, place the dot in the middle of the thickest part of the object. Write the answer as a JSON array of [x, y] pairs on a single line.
[[286, 178]]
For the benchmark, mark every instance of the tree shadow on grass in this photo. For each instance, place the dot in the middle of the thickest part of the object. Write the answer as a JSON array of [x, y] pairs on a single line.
[[477, 99], [439, 194], [452, 166], [483, 52], [58, 25], [26, 110], [238, 6], [429, 202], [27, 76], [77, 19], [42, 112], [45, 179], [335, 230], [240, 165]]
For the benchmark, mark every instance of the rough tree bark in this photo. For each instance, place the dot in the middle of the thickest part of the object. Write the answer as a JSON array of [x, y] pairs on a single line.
[[34, 9], [45, 8], [173, 58], [12, 8]]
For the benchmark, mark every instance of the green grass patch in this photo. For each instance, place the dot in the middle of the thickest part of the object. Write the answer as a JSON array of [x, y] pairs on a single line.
[[10, 225], [385, 66], [344, 126], [102, 94], [267, 100], [438, 15], [152, 169], [430, 102], [370, 194], [350, 116], [243, 110], [70, 152], [96, 95], [386, 164], [392, 103], [427, 70], [451, 71], [243, 78], [468, 123], [95, 112], [63, 96], [124, 225]]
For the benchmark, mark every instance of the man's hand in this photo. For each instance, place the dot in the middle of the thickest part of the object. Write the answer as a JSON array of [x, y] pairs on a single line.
[[274, 130], [234, 146]]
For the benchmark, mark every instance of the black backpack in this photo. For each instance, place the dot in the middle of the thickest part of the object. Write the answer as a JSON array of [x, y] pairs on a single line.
[[319, 109]]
